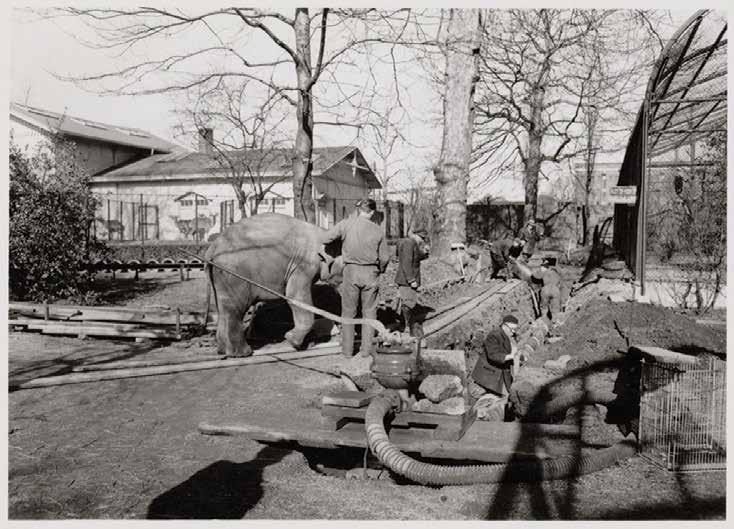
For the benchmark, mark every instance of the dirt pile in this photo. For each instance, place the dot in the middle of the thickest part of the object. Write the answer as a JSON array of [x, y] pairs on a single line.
[[590, 333], [433, 270]]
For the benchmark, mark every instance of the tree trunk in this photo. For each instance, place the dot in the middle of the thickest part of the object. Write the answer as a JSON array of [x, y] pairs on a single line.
[[452, 170], [534, 157], [303, 206], [241, 199], [591, 121]]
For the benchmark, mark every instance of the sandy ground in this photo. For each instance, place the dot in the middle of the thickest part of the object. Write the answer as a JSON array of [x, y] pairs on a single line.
[[130, 449]]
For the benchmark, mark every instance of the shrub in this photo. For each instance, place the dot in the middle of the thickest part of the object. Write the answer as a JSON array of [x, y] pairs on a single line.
[[51, 209]]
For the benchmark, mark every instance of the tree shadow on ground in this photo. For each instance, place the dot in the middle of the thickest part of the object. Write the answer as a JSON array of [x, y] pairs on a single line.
[[115, 291], [63, 365], [561, 503], [223, 490]]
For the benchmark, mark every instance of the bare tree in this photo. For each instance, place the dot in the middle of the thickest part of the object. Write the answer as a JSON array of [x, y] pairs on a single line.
[[540, 70], [297, 48], [452, 171], [248, 144]]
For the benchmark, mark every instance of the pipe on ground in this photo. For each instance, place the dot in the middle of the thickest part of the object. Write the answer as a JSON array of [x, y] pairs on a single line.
[[425, 473]]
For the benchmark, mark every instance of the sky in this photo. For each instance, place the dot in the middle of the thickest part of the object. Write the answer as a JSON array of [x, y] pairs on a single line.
[[33, 66]]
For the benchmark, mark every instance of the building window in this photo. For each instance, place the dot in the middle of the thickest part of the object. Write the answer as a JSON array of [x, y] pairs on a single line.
[[279, 202]]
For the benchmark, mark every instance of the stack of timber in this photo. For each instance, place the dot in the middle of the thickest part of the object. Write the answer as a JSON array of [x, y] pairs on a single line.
[[117, 322]]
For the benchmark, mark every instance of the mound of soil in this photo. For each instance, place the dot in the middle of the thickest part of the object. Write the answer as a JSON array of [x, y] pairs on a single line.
[[432, 270], [590, 335]]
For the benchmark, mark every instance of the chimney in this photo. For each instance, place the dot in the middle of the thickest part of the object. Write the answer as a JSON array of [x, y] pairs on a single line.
[[206, 139]]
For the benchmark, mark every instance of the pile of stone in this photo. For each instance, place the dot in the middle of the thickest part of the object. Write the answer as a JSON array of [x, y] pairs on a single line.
[[444, 394]]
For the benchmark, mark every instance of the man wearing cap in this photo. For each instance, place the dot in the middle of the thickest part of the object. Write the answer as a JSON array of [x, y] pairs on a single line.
[[411, 251], [365, 255], [501, 252], [492, 375]]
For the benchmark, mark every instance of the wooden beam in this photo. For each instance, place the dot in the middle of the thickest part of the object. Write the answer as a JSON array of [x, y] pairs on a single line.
[[119, 314], [76, 378]]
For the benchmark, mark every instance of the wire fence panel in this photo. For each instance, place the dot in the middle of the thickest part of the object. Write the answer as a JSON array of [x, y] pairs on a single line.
[[683, 415]]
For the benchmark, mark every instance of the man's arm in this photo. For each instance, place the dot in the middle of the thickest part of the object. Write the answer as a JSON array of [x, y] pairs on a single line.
[[494, 350], [334, 233]]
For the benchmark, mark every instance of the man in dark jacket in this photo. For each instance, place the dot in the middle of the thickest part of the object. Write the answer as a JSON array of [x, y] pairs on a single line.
[[501, 252], [492, 375], [493, 370], [365, 255], [411, 251]]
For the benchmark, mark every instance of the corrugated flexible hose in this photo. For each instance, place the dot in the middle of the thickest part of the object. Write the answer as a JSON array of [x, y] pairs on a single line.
[[535, 470]]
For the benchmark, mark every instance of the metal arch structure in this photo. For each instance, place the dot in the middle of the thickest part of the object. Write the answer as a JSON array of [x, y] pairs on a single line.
[[685, 104]]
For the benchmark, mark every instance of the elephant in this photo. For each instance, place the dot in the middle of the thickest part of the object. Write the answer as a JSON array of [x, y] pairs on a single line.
[[276, 251]]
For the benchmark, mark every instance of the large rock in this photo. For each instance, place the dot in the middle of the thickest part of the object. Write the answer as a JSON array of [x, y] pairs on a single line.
[[441, 387], [562, 363], [452, 406], [443, 362], [491, 408]]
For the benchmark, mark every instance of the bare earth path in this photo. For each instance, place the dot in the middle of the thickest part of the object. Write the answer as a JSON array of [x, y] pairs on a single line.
[[130, 449]]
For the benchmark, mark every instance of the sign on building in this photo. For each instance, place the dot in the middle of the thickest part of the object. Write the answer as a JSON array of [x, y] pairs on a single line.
[[623, 194]]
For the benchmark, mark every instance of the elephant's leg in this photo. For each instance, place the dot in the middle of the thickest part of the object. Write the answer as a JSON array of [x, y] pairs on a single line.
[[231, 333], [299, 288]]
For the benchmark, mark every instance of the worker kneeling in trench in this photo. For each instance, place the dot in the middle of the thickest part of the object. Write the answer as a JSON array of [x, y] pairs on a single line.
[[492, 375]]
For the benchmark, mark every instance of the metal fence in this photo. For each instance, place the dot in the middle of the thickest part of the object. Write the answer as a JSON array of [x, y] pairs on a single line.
[[118, 220], [683, 415]]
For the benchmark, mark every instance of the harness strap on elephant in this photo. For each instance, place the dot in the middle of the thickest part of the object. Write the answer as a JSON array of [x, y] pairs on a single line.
[[375, 324]]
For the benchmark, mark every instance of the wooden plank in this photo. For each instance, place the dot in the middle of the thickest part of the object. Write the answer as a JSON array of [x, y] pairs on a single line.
[[128, 364], [350, 399], [665, 356], [37, 324], [450, 317], [490, 442], [274, 349], [406, 418], [122, 314], [88, 330], [75, 378]]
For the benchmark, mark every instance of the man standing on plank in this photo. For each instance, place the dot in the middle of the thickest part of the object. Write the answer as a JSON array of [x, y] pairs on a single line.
[[365, 256]]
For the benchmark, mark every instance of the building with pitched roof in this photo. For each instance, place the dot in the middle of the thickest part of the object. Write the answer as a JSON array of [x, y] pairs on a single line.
[[189, 195], [102, 145]]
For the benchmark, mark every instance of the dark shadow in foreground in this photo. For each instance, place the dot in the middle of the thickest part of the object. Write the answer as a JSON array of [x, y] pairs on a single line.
[[223, 490]]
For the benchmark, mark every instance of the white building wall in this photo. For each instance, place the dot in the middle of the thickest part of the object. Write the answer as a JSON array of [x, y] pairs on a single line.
[[171, 213], [342, 191]]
